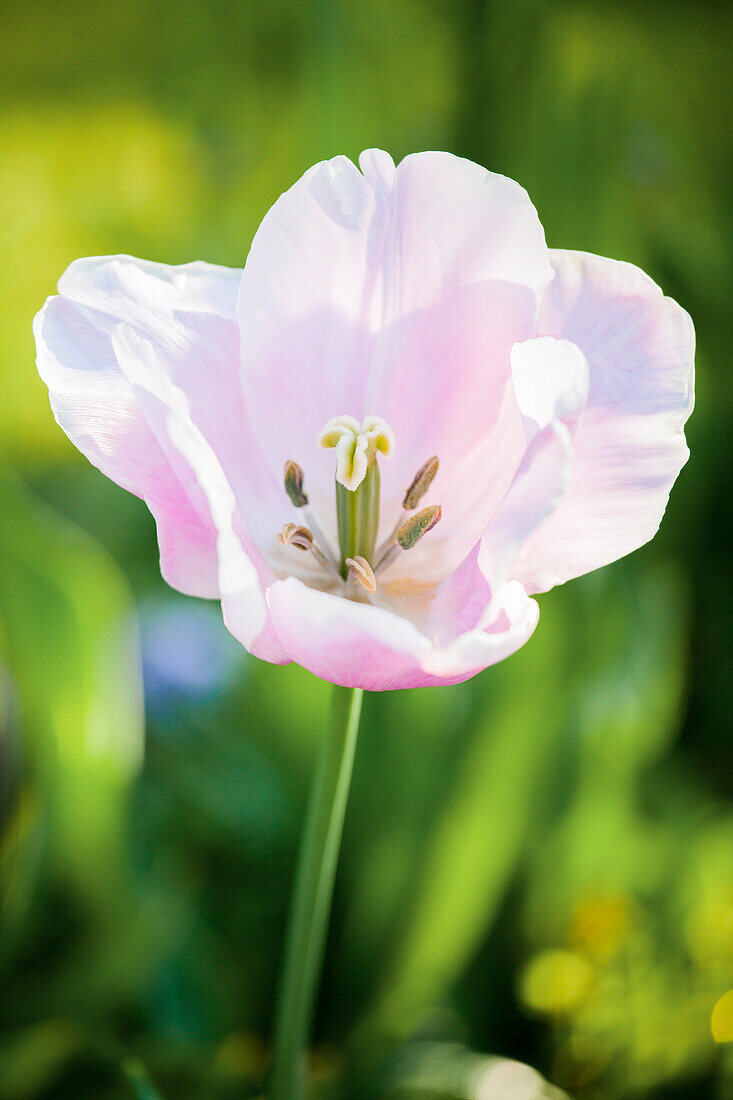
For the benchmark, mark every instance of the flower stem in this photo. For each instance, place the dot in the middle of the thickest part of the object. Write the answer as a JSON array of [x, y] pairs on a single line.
[[312, 894]]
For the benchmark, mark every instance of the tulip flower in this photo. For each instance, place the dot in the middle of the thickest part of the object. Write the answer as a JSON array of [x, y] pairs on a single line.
[[394, 315], [403, 419]]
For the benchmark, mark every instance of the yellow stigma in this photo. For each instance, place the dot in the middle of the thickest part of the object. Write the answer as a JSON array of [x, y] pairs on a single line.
[[356, 446]]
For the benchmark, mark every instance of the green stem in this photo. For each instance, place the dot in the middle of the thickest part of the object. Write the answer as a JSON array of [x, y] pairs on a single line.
[[312, 894]]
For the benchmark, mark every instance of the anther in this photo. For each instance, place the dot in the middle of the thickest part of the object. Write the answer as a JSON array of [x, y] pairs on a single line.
[[294, 484], [302, 538], [413, 529], [408, 534], [361, 571], [293, 534], [420, 484]]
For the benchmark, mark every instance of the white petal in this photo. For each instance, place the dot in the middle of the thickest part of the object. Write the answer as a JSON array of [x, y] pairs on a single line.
[[187, 313], [194, 461], [551, 380], [536, 492], [629, 443]]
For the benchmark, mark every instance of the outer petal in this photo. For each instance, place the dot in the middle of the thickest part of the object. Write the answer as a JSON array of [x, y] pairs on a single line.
[[240, 568], [358, 645], [629, 445], [187, 313], [370, 294]]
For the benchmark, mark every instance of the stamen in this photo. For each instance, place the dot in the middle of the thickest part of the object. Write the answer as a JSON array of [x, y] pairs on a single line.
[[294, 534], [294, 478], [320, 539], [413, 529], [420, 484], [390, 554], [409, 534], [361, 571], [294, 484]]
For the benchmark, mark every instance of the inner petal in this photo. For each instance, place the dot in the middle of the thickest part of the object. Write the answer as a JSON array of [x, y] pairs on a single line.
[[359, 286]]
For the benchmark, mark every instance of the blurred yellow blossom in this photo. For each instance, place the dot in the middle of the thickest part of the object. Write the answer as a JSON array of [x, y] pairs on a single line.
[[721, 1023], [600, 923], [555, 981]]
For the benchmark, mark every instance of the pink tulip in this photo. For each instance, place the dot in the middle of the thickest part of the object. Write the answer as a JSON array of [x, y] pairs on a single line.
[[383, 317]]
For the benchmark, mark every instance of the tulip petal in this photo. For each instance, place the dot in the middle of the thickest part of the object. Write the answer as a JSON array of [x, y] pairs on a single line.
[[536, 492], [551, 380], [187, 313], [360, 645], [396, 293], [463, 602], [197, 467], [442, 378], [629, 444]]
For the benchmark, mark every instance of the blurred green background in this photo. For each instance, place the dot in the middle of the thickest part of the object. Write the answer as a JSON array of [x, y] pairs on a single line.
[[537, 864]]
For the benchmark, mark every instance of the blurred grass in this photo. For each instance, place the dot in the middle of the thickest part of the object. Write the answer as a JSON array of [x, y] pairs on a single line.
[[567, 813], [71, 651]]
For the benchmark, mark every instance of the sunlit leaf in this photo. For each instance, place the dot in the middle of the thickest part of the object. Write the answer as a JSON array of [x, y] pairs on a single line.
[[70, 645]]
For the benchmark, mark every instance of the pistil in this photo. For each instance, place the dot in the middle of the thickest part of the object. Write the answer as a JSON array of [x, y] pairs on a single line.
[[357, 513], [357, 482]]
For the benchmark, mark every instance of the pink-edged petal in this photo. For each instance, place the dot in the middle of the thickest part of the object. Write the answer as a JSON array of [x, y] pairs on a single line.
[[629, 444], [359, 645], [241, 572], [506, 624], [187, 313], [361, 296]]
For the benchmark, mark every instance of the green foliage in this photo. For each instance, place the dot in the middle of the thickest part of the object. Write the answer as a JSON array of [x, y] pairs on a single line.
[[71, 653]]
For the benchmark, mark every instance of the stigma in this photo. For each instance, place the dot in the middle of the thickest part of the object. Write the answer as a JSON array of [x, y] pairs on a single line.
[[356, 446]]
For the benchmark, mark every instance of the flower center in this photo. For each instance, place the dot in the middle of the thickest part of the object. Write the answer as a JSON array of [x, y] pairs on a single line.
[[359, 561]]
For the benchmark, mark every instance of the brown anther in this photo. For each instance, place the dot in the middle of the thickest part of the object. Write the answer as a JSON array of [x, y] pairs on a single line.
[[293, 534], [294, 484], [361, 571], [420, 484], [413, 529]]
